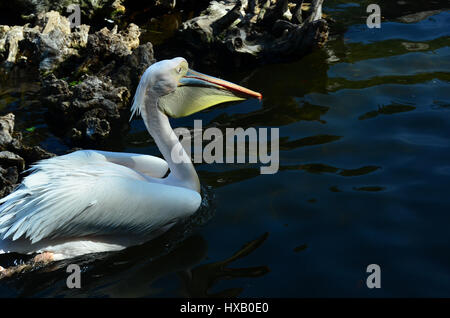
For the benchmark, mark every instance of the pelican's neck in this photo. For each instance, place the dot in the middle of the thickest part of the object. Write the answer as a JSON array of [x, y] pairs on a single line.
[[182, 171]]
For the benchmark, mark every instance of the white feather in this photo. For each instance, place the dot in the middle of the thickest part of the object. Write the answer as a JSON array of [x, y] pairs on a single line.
[[90, 193]]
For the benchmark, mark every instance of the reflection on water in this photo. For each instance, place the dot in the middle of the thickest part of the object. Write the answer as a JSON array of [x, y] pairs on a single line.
[[200, 280], [137, 272], [387, 110], [363, 179]]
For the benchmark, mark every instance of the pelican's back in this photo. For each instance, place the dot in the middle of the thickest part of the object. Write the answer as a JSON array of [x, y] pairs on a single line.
[[82, 195]]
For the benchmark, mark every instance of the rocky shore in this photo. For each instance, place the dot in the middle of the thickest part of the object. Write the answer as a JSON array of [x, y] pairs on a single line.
[[86, 79]]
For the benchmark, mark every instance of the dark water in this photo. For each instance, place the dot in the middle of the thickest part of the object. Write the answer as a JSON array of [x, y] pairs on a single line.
[[364, 177]]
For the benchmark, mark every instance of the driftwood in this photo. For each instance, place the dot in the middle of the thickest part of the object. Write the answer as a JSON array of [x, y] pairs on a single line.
[[255, 30]]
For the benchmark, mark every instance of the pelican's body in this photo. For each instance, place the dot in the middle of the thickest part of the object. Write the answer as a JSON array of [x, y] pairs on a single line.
[[95, 201], [106, 200]]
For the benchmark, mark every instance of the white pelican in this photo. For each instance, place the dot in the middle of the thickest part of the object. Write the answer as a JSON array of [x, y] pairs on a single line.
[[95, 201]]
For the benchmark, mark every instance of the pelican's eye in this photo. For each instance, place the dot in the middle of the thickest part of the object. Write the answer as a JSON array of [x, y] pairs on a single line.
[[179, 69]]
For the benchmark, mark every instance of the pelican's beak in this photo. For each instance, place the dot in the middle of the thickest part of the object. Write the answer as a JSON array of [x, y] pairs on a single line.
[[197, 91]]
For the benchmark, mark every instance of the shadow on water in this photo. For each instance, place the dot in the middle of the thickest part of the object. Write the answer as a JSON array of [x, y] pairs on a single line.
[[387, 110], [134, 271]]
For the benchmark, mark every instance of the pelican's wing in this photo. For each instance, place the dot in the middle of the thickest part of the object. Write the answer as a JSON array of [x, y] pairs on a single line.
[[82, 195], [149, 165]]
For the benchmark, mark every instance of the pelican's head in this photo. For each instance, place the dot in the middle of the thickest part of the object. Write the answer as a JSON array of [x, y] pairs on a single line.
[[181, 91]]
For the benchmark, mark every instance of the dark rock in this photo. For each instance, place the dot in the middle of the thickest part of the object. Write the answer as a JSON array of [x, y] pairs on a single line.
[[30, 154], [109, 43], [10, 174], [47, 44], [135, 64], [9, 159], [13, 150], [97, 101], [9, 178], [92, 128], [14, 155], [6, 129]]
